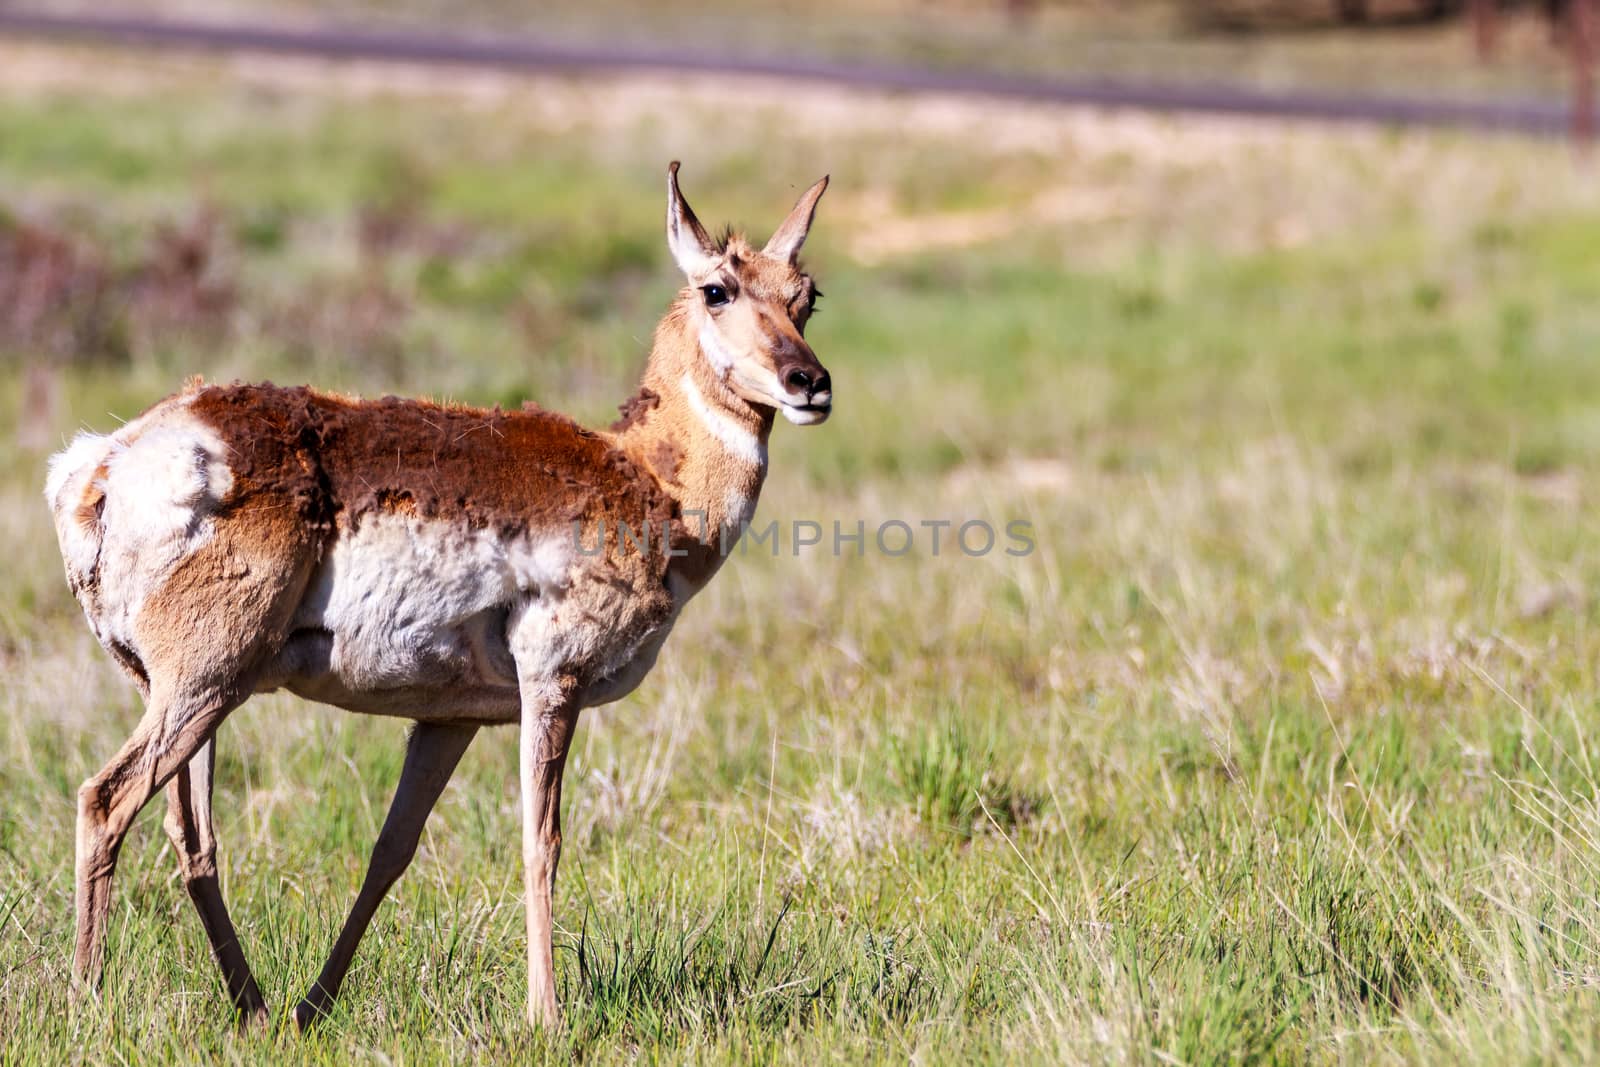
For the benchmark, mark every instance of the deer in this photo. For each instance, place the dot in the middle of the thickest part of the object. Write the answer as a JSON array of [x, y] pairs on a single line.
[[455, 566]]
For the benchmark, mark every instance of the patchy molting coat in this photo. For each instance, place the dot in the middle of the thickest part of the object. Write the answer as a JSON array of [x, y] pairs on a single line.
[[412, 555], [422, 560]]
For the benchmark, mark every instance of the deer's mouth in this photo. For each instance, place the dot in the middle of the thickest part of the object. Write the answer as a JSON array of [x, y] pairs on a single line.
[[807, 414]]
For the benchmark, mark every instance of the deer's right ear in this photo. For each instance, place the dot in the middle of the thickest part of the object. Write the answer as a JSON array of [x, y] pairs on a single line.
[[687, 239]]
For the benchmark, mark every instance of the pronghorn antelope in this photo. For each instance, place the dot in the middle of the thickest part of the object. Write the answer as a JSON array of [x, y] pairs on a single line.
[[438, 563]]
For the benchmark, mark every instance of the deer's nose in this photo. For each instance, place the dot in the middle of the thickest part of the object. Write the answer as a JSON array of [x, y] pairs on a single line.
[[809, 381]]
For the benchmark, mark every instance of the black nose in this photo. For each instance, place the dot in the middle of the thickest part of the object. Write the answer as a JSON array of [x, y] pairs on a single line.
[[810, 381], [807, 378]]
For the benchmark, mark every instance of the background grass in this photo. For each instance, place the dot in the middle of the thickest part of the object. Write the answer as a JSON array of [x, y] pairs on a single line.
[[1269, 45], [1279, 747]]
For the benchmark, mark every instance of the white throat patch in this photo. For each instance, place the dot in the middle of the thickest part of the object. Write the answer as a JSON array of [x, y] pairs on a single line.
[[717, 353], [738, 439]]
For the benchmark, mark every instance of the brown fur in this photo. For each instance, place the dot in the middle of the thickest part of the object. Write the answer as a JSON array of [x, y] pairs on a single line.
[[187, 632], [664, 459], [670, 444], [87, 515], [305, 469], [337, 460], [635, 409]]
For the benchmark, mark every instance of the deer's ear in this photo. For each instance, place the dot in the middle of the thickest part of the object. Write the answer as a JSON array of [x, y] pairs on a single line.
[[691, 248], [785, 243]]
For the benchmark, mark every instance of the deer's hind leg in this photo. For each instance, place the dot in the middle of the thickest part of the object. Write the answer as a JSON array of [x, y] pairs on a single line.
[[172, 730], [200, 638], [188, 824]]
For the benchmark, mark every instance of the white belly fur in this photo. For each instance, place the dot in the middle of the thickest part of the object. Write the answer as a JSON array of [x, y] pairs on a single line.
[[460, 619], [407, 601]]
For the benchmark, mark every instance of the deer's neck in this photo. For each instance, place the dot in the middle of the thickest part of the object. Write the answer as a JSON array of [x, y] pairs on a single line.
[[706, 446]]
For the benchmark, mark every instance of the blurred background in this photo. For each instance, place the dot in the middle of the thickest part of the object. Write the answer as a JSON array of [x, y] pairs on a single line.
[[1276, 319]]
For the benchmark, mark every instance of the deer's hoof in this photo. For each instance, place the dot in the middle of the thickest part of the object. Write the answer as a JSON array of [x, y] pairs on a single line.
[[83, 991], [307, 1014], [254, 1019], [544, 1016]]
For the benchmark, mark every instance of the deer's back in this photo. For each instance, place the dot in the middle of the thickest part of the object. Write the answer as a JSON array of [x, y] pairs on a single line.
[[426, 540]]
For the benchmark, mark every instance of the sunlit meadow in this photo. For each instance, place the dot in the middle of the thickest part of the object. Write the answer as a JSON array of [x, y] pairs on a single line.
[[1279, 746]]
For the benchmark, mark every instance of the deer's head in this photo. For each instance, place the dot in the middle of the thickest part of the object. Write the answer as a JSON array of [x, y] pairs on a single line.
[[749, 308]]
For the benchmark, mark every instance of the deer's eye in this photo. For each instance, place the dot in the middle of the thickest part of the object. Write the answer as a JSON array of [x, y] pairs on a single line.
[[811, 306], [716, 295]]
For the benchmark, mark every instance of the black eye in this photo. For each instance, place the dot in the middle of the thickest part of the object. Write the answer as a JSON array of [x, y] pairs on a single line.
[[716, 295], [811, 308]]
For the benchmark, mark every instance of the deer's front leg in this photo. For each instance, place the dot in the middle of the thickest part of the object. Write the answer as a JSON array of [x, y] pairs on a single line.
[[549, 716], [432, 753]]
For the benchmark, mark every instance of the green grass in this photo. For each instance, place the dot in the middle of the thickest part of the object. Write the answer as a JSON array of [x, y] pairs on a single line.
[[1269, 45], [1280, 747]]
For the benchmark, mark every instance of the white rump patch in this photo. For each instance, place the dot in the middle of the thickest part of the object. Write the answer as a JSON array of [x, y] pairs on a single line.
[[159, 480], [160, 487], [735, 437], [71, 476], [74, 463]]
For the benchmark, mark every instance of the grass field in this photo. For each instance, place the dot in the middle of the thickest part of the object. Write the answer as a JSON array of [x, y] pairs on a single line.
[[1279, 748], [1272, 45]]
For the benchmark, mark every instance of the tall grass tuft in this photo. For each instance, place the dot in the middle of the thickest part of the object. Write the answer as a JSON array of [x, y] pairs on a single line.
[[952, 781]]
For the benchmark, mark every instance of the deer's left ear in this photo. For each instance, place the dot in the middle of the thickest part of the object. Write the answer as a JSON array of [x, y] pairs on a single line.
[[691, 246], [785, 243]]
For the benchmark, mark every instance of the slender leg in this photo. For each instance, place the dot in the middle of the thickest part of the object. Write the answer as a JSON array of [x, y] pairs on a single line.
[[200, 636], [188, 824], [431, 757], [546, 736], [170, 733]]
